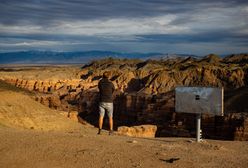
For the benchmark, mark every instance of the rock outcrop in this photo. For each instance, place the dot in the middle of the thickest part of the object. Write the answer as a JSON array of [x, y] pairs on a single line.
[[147, 131]]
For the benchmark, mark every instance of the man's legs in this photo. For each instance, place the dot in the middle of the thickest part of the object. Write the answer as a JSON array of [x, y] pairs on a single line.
[[111, 123], [101, 116], [110, 110], [100, 122]]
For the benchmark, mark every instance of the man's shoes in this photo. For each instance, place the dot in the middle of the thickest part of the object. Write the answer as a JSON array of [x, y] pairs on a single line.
[[99, 131], [111, 132]]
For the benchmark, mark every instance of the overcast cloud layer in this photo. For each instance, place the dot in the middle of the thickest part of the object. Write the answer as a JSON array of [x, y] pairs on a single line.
[[168, 26]]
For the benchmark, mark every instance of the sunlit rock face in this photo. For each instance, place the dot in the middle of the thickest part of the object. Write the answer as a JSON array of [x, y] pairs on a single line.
[[148, 131]]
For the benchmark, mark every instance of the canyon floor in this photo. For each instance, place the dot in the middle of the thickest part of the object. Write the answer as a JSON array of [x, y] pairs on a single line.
[[33, 135]]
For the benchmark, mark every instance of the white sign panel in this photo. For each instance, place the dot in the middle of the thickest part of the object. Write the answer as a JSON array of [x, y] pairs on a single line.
[[200, 100]]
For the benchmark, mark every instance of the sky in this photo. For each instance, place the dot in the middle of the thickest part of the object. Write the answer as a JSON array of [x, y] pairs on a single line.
[[167, 26]]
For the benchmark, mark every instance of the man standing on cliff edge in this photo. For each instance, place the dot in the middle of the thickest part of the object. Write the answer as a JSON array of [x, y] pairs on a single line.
[[106, 89]]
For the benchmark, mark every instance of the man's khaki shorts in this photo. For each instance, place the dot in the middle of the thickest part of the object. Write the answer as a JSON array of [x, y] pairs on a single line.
[[108, 107]]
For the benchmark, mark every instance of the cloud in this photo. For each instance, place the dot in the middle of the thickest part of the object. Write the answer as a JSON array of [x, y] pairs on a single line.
[[227, 37], [47, 11], [33, 43], [123, 24]]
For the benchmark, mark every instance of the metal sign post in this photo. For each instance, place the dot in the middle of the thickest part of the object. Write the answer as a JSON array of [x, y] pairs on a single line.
[[198, 127]]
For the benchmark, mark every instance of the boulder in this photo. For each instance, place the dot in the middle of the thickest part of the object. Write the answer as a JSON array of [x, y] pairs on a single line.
[[147, 131]]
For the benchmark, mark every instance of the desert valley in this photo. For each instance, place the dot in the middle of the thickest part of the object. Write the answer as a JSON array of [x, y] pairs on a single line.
[[49, 114]]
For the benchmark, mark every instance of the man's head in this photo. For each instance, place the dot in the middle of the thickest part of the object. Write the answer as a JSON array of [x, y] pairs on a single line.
[[106, 74]]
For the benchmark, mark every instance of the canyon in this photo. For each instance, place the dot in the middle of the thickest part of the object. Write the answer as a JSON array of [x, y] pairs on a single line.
[[145, 92]]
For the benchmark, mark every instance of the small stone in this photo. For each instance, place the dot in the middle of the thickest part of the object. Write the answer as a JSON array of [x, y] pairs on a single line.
[[190, 141], [133, 141]]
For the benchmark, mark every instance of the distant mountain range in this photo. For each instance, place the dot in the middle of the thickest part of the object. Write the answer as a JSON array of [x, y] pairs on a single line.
[[51, 57]]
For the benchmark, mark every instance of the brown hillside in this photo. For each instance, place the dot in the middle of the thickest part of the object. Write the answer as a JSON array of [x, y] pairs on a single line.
[[18, 110]]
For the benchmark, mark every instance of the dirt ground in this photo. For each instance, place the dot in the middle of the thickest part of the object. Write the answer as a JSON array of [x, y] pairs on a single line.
[[84, 148]]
